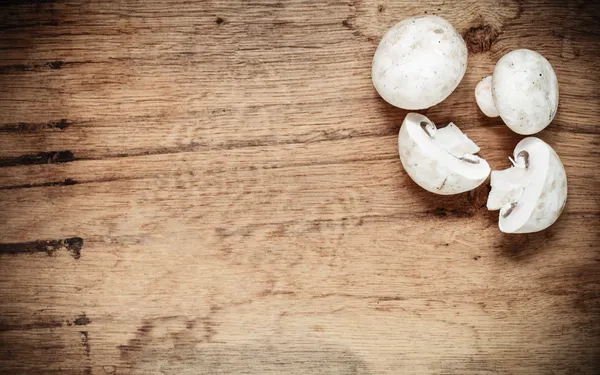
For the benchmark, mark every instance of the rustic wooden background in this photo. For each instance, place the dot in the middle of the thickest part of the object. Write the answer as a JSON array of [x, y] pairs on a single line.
[[213, 187]]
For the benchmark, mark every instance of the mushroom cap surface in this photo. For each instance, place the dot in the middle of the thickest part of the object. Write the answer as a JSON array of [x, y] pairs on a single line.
[[419, 62], [525, 91]]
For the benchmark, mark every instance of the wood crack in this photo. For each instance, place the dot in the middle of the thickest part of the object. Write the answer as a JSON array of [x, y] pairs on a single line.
[[50, 247], [25, 127], [39, 158]]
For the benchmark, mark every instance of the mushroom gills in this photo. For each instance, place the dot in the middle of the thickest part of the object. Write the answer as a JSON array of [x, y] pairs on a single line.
[[507, 187], [456, 143]]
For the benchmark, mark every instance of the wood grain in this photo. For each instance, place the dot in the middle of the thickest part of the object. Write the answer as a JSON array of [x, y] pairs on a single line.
[[213, 187]]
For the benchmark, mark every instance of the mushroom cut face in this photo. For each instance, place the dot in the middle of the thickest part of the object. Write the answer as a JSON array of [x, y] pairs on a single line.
[[532, 193], [441, 161], [419, 62], [525, 91]]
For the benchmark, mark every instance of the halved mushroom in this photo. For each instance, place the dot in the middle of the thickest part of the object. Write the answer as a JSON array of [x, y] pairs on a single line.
[[532, 193], [441, 161], [419, 62], [523, 91]]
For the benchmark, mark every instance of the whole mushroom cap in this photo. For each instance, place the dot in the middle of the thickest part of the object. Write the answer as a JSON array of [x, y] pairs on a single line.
[[419, 62], [525, 91]]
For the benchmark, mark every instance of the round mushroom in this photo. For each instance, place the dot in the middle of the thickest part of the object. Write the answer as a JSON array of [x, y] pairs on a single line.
[[523, 91], [441, 161], [532, 193], [419, 62]]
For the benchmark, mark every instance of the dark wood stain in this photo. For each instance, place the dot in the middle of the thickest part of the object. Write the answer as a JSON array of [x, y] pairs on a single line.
[[18, 68], [65, 182], [391, 298], [25, 127], [8, 3], [5, 327], [480, 39], [142, 336], [85, 341], [73, 245], [39, 158], [453, 212], [82, 320]]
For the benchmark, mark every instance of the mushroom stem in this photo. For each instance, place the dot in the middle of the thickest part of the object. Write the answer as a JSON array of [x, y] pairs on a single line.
[[522, 160], [505, 187], [453, 140], [484, 98]]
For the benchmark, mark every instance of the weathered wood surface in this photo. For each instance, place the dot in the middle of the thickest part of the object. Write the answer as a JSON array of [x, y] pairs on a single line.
[[218, 186]]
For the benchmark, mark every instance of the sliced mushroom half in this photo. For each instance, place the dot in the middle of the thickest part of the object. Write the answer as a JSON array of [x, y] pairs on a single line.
[[441, 161], [532, 193]]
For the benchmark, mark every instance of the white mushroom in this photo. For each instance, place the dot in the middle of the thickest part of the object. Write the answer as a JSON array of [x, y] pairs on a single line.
[[483, 96], [531, 194], [441, 161], [523, 91], [419, 62]]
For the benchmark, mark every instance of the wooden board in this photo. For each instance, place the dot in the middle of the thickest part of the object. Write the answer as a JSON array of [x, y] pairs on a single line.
[[213, 187]]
